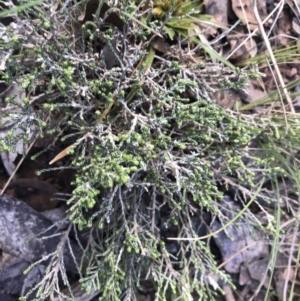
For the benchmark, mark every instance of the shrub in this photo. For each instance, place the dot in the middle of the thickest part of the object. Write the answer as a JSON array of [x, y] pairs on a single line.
[[150, 148]]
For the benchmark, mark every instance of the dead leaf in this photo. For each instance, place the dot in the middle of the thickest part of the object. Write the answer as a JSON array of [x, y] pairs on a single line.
[[240, 244], [244, 277], [35, 193], [285, 271], [283, 29], [242, 236], [254, 92], [257, 271], [288, 274], [61, 155], [82, 14], [244, 11], [217, 9], [159, 44], [246, 48]]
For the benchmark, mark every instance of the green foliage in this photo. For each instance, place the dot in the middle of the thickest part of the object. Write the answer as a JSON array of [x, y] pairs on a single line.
[[135, 137]]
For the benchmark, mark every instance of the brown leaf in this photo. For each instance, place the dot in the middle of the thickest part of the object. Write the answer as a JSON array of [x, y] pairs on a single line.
[[159, 44], [255, 93], [246, 48], [61, 155], [257, 270], [35, 193], [288, 274], [244, 10], [218, 9], [283, 28], [240, 244]]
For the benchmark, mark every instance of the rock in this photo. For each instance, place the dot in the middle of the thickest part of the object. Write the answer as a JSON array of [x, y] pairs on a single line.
[[21, 230]]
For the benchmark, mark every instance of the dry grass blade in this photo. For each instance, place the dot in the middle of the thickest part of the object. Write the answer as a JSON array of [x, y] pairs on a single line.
[[269, 48], [61, 155], [19, 8], [254, 32]]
